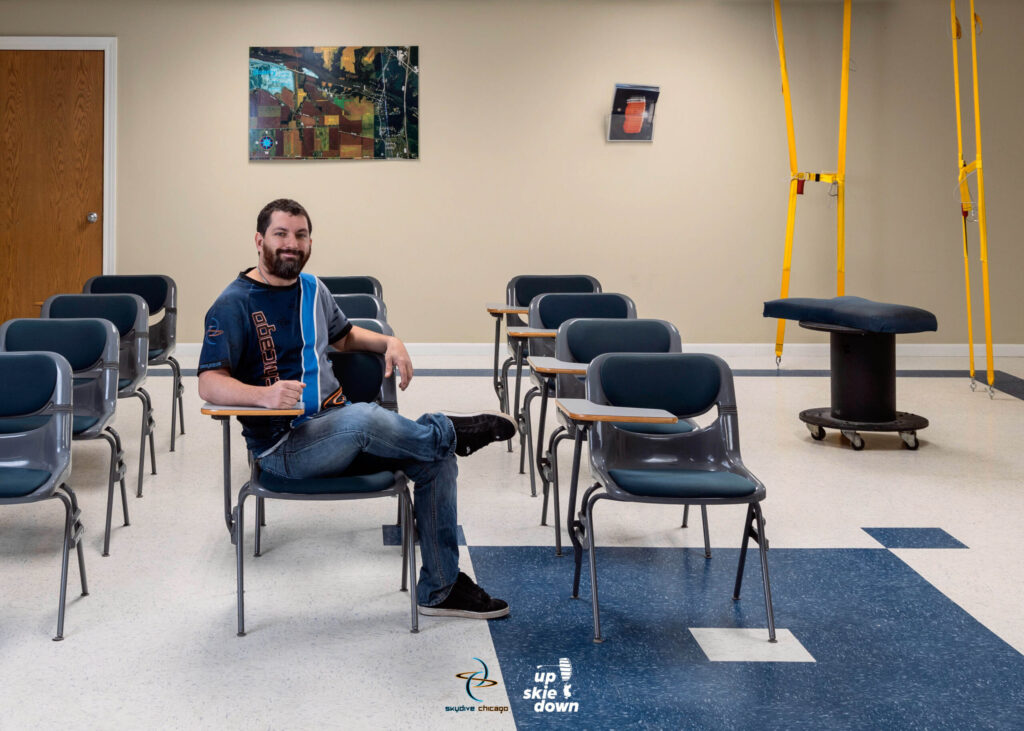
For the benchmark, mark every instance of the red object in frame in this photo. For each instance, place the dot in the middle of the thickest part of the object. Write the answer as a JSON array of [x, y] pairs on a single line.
[[634, 117]]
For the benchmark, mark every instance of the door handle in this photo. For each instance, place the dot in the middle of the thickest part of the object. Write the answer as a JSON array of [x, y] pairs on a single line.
[[92, 217]]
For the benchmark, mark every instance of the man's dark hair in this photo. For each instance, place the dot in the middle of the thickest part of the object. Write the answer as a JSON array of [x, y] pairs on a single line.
[[287, 205]]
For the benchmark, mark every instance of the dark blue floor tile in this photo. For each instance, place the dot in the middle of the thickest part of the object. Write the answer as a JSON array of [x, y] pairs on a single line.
[[913, 538], [891, 651]]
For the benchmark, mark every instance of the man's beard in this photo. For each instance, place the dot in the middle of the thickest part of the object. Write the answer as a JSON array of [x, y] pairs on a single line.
[[284, 268]]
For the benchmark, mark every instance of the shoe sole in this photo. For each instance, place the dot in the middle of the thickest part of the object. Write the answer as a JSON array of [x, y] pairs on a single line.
[[463, 613]]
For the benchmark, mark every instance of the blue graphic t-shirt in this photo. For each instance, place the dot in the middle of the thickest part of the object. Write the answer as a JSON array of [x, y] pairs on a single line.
[[263, 334]]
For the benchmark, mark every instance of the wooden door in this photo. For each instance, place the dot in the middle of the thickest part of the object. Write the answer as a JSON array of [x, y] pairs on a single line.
[[51, 175]]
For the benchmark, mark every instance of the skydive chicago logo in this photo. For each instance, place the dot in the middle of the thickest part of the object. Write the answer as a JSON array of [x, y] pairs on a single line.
[[476, 679], [546, 692]]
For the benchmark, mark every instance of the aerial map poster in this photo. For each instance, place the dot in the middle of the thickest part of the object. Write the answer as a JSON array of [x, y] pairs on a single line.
[[354, 102]]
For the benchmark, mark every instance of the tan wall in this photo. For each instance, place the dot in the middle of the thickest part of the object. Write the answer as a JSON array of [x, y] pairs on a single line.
[[515, 175]]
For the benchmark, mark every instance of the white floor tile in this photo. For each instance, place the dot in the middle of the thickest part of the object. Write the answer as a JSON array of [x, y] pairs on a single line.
[[744, 644]]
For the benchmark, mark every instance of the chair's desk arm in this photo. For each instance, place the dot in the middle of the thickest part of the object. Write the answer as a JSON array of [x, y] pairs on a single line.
[[228, 410], [581, 410], [500, 308], [547, 365], [531, 332]]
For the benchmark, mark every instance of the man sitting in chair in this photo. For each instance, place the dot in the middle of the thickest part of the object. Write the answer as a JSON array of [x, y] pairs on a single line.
[[266, 345]]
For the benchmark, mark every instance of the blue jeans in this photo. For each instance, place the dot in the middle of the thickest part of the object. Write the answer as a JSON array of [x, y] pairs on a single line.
[[424, 449]]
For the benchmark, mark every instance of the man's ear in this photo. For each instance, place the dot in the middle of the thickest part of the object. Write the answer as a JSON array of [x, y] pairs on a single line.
[[259, 240]]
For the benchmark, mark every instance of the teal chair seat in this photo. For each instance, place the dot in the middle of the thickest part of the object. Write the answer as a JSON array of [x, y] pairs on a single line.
[[20, 481], [156, 352], [683, 483], [325, 485], [80, 423]]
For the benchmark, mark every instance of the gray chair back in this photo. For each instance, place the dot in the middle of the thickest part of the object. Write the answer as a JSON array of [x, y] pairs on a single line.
[[549, 311], [130, 316], [161, 295], [90, 345], [362, 306], [521, 289], [360, 284], [685, 384], [35, 425], [580, 340]]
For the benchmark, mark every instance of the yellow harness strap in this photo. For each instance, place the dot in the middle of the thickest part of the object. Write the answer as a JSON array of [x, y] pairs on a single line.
[[797, 179]]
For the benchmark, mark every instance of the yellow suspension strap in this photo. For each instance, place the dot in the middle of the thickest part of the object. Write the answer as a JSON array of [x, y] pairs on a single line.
[[798, 179], [965, 170], [844, 95], [965, 194]]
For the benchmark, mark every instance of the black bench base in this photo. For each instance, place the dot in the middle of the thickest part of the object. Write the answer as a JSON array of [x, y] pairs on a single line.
[[863, 388], [906, 424]]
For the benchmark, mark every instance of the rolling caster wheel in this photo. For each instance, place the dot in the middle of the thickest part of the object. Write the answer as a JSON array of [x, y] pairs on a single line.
[[909, 439], [855, 440], [817, 432]]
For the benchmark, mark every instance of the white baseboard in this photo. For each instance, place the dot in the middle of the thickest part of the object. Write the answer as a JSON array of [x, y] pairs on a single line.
[[188, 353]]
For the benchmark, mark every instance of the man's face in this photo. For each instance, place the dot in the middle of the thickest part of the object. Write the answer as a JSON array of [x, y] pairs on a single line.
[[286, 246]]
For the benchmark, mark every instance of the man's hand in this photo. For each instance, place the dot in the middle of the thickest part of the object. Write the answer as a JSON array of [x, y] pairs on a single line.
[[396, 356], [282, 395]]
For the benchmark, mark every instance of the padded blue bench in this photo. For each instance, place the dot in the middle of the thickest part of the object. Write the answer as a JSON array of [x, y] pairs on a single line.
[[862, 335]]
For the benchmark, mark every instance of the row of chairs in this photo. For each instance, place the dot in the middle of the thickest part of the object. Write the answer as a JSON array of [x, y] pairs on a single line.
[[631, 363], [63, 375]]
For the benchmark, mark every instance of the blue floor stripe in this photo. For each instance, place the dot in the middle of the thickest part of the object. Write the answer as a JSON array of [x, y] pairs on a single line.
[[913, 538], [891, 650]]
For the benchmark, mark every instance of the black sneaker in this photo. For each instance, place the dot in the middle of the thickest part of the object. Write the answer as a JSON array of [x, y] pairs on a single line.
[[468, 600], [475, 431]]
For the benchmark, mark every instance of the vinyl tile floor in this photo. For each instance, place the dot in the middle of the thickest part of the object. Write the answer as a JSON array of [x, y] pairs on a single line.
[[883, 626]]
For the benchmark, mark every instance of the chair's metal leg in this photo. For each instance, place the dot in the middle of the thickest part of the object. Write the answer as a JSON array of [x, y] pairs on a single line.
[[762, 544], [495, 378], [404, 543], [63, 565], [517, 412], [540, 464], [150, 423], [122, 470], [527, 453], [257, 531], [556, 439], [176, 399], [180, 394], [239, 553], [225, 423], [411, 558], [707, 538], [111, 478], [743, 551], [142, 444], [686, 516], [505, 406], [263, 512], [577, 547], [588, 520]]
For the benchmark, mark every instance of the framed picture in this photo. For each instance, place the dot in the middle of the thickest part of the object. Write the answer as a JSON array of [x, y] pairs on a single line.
[[632, 117], [321, 102]]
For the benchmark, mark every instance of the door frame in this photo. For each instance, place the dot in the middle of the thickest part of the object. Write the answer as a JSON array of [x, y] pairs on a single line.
[[107, 44]]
